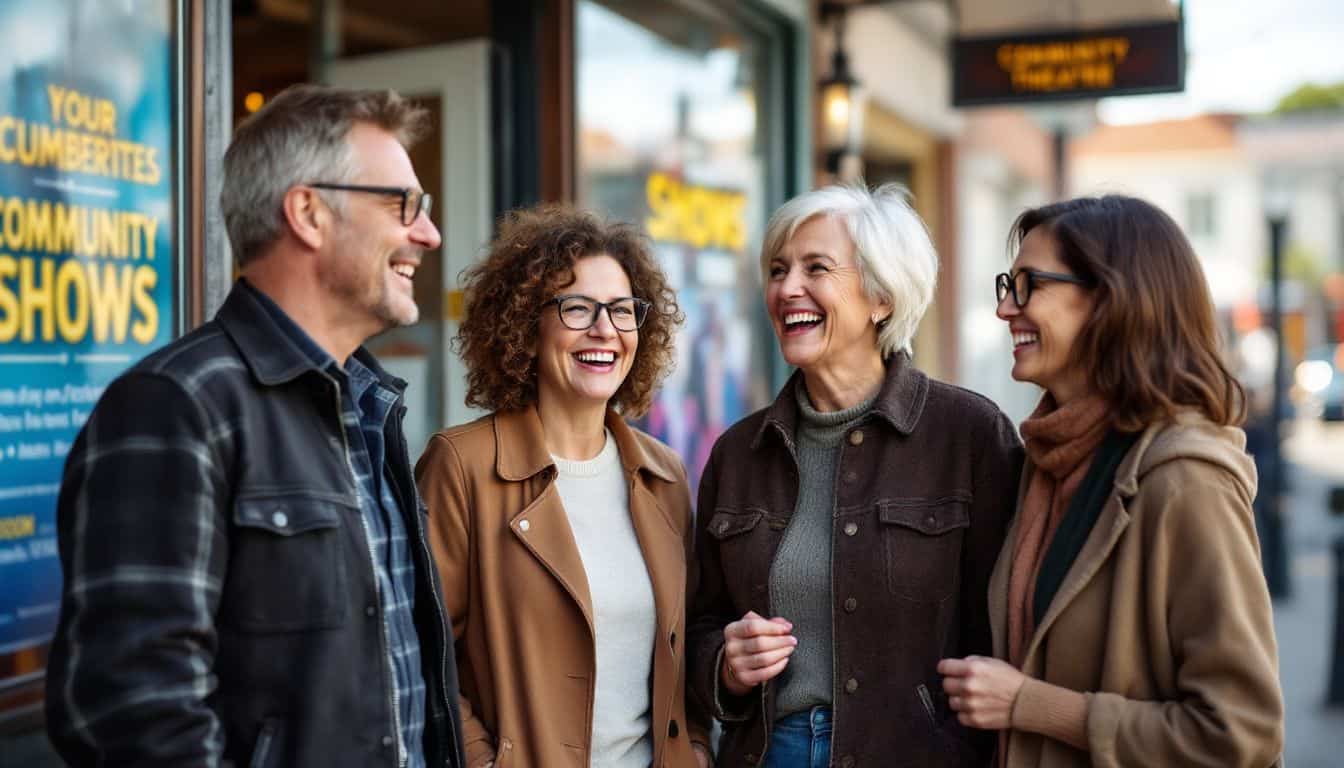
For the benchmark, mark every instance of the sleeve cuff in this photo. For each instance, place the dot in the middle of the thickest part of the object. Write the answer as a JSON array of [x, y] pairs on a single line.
[[1104, 713], [727, 707], [1052, 711]]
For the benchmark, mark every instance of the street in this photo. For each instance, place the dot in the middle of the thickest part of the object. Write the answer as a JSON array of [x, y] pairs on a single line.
[[1304, 622]]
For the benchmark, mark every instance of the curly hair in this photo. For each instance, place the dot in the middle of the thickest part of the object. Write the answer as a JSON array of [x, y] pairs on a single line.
[[530, 260]]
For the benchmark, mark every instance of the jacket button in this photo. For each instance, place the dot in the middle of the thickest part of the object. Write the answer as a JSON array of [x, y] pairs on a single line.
[[370, 611], [930, 520], [851, 528], [722, 527], [524, 525], [851, 605], [856, 437], [672, 730], [388, 741], [280, 519], [851, 685]]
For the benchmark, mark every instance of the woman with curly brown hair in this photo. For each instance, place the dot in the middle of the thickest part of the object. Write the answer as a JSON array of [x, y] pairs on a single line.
[[561, 533]]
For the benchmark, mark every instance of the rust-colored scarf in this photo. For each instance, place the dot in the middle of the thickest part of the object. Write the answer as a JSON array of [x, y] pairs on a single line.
[[1060, 441]]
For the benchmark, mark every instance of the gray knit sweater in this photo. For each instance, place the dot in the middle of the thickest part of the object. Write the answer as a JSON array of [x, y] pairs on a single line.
[[800, 576]]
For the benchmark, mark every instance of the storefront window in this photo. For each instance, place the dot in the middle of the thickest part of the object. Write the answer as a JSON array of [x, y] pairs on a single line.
[[89, 270], [670, 136]]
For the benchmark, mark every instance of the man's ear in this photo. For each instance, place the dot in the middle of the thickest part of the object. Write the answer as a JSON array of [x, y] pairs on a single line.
[[307, 215]]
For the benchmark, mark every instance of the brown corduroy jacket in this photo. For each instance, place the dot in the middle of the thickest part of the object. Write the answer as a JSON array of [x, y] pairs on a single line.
[[1163, 620], [517, 593]]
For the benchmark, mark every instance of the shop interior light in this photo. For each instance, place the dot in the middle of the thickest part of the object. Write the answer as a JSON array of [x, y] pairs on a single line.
[[253, 101], [1314, 375], [841, 95]]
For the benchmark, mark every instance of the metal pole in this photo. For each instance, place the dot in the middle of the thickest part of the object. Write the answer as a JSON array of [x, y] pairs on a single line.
[[1060, 147], [1273, 547], [1334, 695], [326, 39]]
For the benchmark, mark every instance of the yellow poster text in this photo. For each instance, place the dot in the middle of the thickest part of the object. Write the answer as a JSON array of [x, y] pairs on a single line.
[[42, 226], [41, 297], [17, 527], [697, 216], [82, 138]]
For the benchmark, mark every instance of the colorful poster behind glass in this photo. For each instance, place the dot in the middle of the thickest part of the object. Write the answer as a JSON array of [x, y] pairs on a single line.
[[670, 139], [87, 259]]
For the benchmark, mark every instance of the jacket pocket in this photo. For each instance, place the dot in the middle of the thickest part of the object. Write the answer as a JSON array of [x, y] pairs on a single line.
[[922, 541], [926, 701], [286, 565], [728, 524]]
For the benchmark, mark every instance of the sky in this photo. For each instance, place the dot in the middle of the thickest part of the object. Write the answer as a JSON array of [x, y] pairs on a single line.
[[1242, 55]]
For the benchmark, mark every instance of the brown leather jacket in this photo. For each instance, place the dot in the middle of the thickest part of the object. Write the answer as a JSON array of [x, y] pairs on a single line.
[[924, 493], [517, 594]]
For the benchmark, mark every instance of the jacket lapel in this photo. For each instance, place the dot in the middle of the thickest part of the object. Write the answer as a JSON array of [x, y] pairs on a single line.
[[663, 553], [542, 526], [1103, 538], [1110, 525], [660, 538]]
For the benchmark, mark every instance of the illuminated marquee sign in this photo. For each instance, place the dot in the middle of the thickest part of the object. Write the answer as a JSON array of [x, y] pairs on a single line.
[[1071, 65]]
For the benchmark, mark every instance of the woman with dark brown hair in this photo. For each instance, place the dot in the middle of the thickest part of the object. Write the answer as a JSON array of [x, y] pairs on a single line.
[[1128, 600], [561, 533]]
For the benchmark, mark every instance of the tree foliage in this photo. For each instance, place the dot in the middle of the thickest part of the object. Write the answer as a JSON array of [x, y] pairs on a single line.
[[1311, 97]]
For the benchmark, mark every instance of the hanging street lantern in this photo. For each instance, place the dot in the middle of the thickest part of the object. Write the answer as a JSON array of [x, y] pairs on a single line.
[[842, 98]]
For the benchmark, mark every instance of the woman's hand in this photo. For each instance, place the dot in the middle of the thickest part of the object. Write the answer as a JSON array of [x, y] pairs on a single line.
[[755, 649], [981, 690]]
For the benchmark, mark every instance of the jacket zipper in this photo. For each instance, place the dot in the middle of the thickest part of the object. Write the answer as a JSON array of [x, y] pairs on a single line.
[[393, 697]]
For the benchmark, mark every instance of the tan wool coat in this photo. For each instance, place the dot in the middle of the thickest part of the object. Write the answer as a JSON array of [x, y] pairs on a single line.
[[516, 591], [1163, 621]]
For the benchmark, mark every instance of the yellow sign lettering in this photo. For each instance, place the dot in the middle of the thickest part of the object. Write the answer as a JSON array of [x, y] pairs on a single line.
[[700, 217]]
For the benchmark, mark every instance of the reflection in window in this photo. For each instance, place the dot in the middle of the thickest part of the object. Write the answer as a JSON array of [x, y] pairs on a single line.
[[669, 137]]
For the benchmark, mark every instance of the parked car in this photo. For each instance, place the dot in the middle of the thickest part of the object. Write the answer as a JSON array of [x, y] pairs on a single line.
[[1320, 377]]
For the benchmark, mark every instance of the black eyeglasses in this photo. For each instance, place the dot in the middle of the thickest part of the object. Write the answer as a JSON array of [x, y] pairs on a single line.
[[579, 313], [1024, 282], [413, 201]]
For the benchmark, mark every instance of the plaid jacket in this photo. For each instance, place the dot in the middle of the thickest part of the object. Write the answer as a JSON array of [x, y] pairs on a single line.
[[220, 605]]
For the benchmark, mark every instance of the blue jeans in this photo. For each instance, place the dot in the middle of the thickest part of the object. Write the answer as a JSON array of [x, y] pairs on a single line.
[[801, 740]]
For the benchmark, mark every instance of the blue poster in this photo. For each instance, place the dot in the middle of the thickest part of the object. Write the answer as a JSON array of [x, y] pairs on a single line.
[[87, 253]]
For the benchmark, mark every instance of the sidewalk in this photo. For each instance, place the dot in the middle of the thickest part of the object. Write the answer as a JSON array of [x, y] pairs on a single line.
[[1304, 622]]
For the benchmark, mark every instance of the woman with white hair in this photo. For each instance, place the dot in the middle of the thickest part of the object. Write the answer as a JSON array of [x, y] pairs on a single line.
[[845, 534]]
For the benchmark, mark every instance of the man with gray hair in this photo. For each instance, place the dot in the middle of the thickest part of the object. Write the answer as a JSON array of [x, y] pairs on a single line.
[[247, 580]]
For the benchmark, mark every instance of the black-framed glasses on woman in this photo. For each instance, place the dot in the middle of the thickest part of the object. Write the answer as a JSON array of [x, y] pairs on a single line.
[[413, 201], [1023, 282], [579, 313]]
